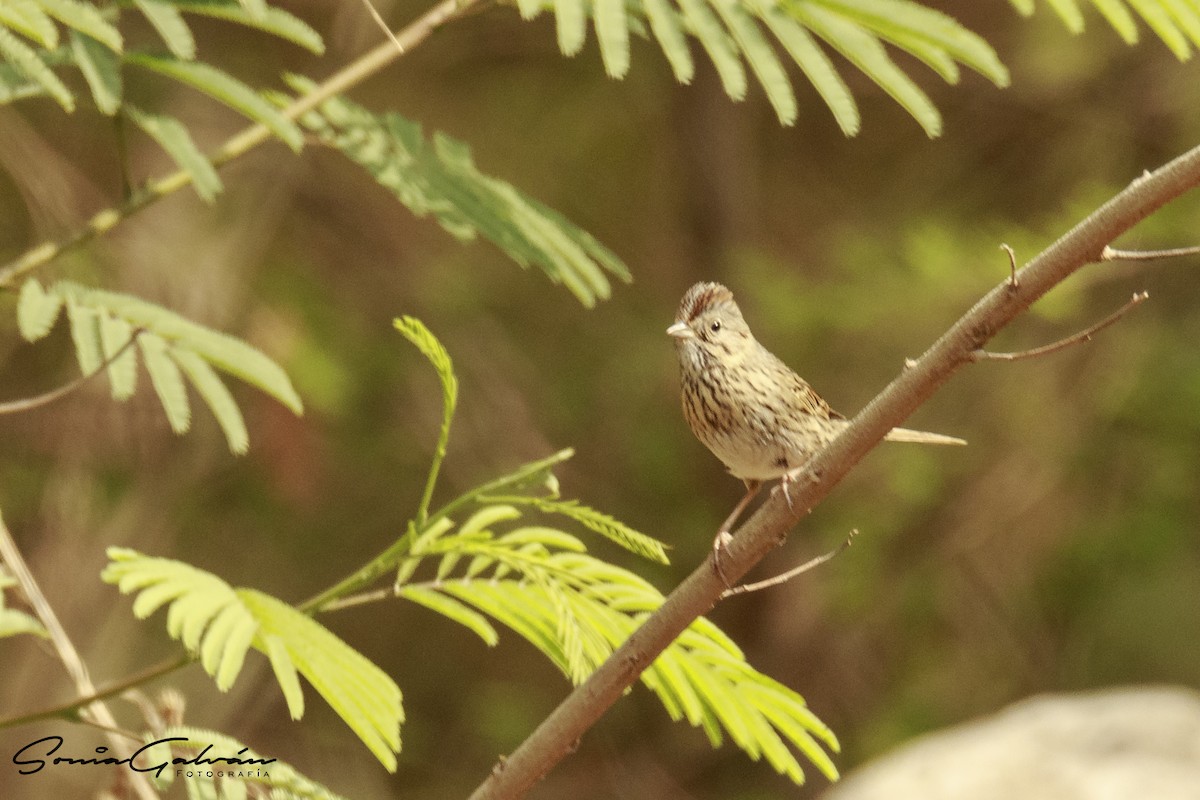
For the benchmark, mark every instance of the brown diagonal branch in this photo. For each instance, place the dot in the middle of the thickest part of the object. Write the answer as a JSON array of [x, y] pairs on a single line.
[[556, 736]]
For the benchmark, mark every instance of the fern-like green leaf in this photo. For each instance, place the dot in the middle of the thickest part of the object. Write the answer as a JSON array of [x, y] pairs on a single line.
[[733, 33], [221, 624], [275, 779], [159, 581], [29, 64], [167, 337], [226, 89], [577, 610], [170, 25], [695, 679], [442, 180], [421, 337], [173, 137], [101, 71]]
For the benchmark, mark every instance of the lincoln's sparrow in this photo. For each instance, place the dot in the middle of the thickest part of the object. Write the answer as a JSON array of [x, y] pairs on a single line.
[[756, 415]]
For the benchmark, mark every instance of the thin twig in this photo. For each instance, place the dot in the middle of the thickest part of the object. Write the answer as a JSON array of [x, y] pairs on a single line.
[[363, 598], [374, 12], [1113, 254], [30, 403], [1062, 344], [240, 143], [555, 738], [1013, 283], [70, 709], [67, 654], [782, 578]]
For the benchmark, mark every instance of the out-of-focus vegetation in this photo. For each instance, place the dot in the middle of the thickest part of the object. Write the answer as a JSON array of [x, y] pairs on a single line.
[[1059, 551]]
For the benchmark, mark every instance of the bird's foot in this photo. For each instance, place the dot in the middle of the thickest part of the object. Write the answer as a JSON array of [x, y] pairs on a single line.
[[718, 547], [784, 483]]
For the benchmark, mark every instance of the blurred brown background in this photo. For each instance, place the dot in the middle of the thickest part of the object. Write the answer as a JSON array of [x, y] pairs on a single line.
[[1058, 552]]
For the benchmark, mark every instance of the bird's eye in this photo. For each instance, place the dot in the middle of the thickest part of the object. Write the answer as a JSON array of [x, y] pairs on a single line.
[[715, 325]]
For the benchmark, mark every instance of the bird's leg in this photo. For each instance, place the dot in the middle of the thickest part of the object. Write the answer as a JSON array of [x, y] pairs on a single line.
[[723, 536], [784, 483]]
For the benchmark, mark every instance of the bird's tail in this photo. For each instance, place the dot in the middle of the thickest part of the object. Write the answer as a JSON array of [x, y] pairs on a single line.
[[921, 437]]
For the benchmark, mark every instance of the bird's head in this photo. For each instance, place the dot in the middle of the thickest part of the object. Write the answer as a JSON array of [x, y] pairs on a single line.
[[709, 325]]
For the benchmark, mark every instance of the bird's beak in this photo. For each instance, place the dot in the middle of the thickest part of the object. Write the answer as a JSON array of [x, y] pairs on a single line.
[[680, 330]]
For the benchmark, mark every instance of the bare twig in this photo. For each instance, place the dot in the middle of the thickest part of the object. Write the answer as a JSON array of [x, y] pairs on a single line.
[[239, 144], [782, 578], [1112, 254], [1062, 344], [373, 596], [554, 738], [30, 403], [1013, 283], [374, 12], [96, 711], [71, 708]]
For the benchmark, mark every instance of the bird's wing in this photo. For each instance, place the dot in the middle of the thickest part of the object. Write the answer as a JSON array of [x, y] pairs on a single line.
[[804, 396]]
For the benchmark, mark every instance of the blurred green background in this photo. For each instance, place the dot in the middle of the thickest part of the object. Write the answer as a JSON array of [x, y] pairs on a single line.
[[1058, 552]]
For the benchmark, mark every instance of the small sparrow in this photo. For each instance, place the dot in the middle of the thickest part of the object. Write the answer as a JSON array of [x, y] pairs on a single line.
[[754, 413]]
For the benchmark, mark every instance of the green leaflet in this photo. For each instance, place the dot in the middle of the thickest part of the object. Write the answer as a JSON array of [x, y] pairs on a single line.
[[1175, 22], [415, 331], [173, 137], [166, 20], [224, 88], [27, 19], [100, 69], [268, 19], [102, 325], [86, 19], [441, 179], [28, 64], [221, 624], [12, 621]]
